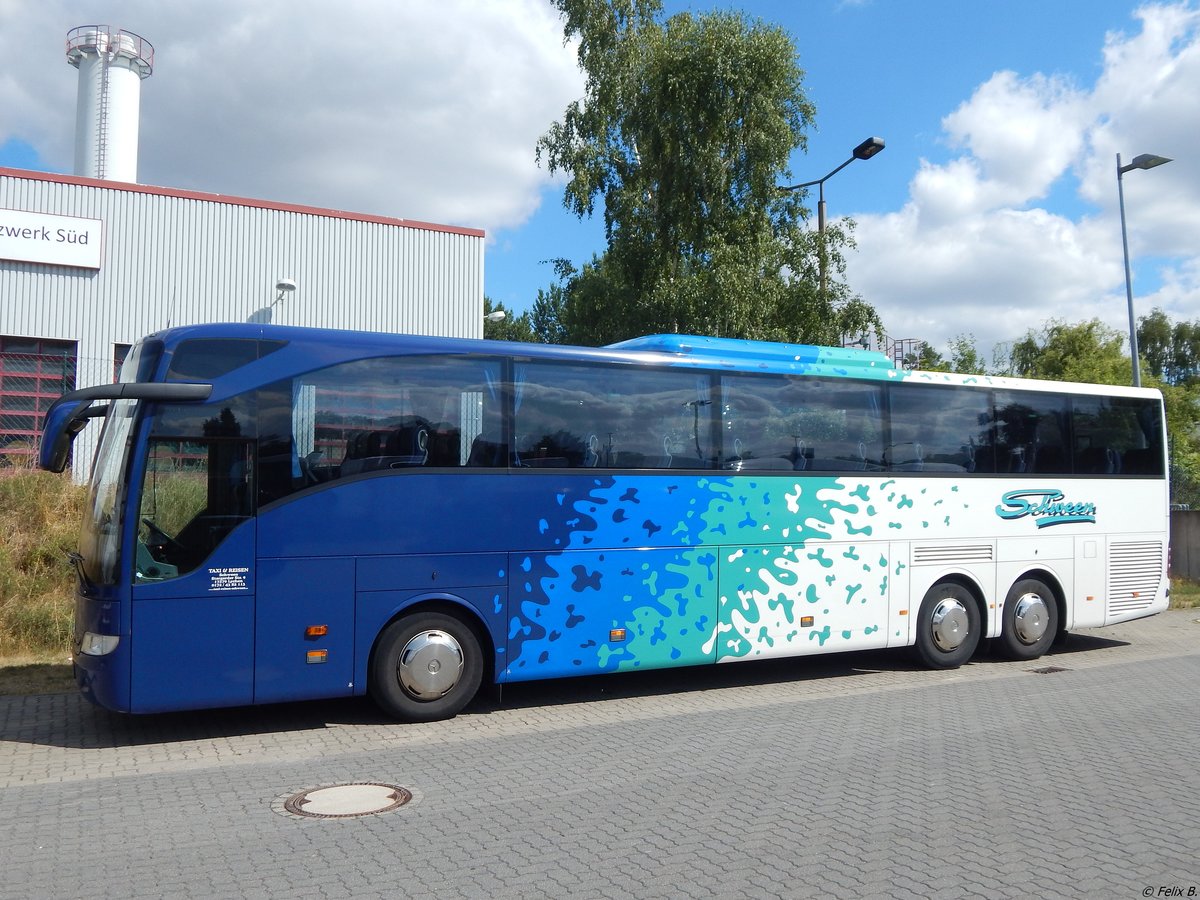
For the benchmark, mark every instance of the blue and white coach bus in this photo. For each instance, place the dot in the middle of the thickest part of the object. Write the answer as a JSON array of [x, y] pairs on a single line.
[[280, 513]]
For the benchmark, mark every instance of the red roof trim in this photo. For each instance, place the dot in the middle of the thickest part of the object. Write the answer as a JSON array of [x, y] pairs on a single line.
[[235, 201]]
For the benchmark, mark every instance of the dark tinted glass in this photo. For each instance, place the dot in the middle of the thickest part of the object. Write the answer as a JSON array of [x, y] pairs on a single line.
[[1117, 436], [374, 415], [611, 417], [1033, 433], [940, 429], [209, 358], [786, 422]]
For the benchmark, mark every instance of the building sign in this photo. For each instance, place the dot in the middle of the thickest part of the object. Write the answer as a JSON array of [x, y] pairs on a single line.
[[53, 240]]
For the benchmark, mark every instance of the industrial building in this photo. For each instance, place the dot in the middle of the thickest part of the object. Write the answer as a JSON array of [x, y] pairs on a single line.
[[89, 264]]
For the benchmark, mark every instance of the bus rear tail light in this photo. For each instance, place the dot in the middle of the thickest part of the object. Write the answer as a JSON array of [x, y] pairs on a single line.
[[98, 644]]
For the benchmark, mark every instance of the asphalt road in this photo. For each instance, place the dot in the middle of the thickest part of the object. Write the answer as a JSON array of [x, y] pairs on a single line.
[[846, 776]]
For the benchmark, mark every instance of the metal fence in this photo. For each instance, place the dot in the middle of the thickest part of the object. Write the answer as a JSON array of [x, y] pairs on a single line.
[[30, 382]]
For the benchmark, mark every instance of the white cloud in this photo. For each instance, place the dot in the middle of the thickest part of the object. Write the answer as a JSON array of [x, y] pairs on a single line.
[[971, 252], [426, 109]]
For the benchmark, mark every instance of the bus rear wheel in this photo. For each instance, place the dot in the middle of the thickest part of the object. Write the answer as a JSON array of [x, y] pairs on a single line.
[[948, 627], [1029, 624], [427, 666]]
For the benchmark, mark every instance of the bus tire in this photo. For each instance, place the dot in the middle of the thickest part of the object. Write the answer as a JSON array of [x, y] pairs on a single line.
[[948, 626], [1029, 624], [427, 666]]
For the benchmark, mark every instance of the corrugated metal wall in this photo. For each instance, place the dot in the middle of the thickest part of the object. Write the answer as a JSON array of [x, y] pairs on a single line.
[[177, 258]]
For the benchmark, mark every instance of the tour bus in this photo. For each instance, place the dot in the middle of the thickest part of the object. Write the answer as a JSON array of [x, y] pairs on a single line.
[[280, 513]]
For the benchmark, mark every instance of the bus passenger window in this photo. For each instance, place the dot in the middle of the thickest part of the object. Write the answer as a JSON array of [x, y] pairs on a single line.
[[611, 417], [383, 415], [1032, 433], [939, 429], [790, 422]]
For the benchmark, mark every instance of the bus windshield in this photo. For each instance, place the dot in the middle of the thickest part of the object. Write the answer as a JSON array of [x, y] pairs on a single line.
[[99, 541]]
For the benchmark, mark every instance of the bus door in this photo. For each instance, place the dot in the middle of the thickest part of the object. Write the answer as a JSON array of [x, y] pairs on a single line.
[[192, 617]]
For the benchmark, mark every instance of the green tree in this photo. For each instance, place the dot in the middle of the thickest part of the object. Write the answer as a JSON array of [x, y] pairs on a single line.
[[1170, 350], [509, 328], [684, 134], [1059, 351], [964, 357]]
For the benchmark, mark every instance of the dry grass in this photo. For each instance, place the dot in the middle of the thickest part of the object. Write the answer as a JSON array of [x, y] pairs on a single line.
[[1184, 594], [40, 514]]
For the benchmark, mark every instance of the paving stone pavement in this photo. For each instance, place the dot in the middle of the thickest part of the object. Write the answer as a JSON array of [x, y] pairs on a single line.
[[856, 775]]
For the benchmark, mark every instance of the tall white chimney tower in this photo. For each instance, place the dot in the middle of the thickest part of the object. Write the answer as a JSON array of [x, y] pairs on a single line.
[[112, 63]]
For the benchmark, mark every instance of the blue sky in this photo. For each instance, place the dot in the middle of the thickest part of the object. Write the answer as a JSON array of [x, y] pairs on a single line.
[[992, 209]]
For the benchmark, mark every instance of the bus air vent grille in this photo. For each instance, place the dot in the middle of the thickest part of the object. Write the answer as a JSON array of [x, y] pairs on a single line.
[[952, 553], [1134, 575]]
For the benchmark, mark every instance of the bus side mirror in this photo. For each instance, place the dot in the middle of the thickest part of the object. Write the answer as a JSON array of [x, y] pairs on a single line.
[[64, 421]]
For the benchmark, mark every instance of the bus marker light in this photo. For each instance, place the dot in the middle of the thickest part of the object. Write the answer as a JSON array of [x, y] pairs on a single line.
[[806, 621], [316, 631], [616, 635], [317, 656], [904, 612]]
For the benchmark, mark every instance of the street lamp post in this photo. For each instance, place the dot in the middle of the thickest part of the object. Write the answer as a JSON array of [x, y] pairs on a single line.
[[1145, 161], [865, 150]]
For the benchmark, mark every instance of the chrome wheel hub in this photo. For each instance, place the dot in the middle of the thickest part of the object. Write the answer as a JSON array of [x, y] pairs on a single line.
[[1031, 618], [949, 624], [430, 665]]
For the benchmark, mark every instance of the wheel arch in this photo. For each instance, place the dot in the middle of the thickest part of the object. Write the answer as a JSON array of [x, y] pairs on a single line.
[[448, 604], [971, 586], [1052, 581]]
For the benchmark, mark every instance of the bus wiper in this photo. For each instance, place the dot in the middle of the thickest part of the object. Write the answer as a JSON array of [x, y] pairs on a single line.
[[76, 559]]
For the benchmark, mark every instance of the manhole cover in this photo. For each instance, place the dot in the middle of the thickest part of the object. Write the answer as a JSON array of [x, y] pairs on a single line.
[[343, 801], [1048, 670]]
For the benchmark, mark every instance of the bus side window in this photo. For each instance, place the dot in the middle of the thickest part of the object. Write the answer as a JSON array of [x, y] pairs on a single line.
[[938, 429], [1116, 436], [605, 416], [381, 415], [1032, 432]]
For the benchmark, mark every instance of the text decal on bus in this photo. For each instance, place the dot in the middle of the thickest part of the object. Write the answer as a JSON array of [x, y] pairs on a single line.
[[1046, 506]]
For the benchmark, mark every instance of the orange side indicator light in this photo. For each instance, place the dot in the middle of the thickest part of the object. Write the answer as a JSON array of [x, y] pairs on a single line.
[[317, 656], [1090, 598], [904, 612], [316, 631], [806, 621], [616, 635]]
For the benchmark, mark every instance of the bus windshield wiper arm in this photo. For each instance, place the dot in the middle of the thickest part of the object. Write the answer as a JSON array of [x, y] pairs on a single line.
[[76, 559]]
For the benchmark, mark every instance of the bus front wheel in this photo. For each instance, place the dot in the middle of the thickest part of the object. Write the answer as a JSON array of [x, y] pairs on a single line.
[[1029, 624], [427, 666], [948, 627]]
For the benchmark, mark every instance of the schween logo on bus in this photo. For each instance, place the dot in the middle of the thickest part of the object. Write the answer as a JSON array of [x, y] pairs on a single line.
[[1045, 506]]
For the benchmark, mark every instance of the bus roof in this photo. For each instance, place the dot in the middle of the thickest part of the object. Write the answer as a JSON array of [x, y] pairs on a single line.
[[314, 348]]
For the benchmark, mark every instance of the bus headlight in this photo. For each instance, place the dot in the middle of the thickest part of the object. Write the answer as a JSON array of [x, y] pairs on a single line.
[[98, 644]]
